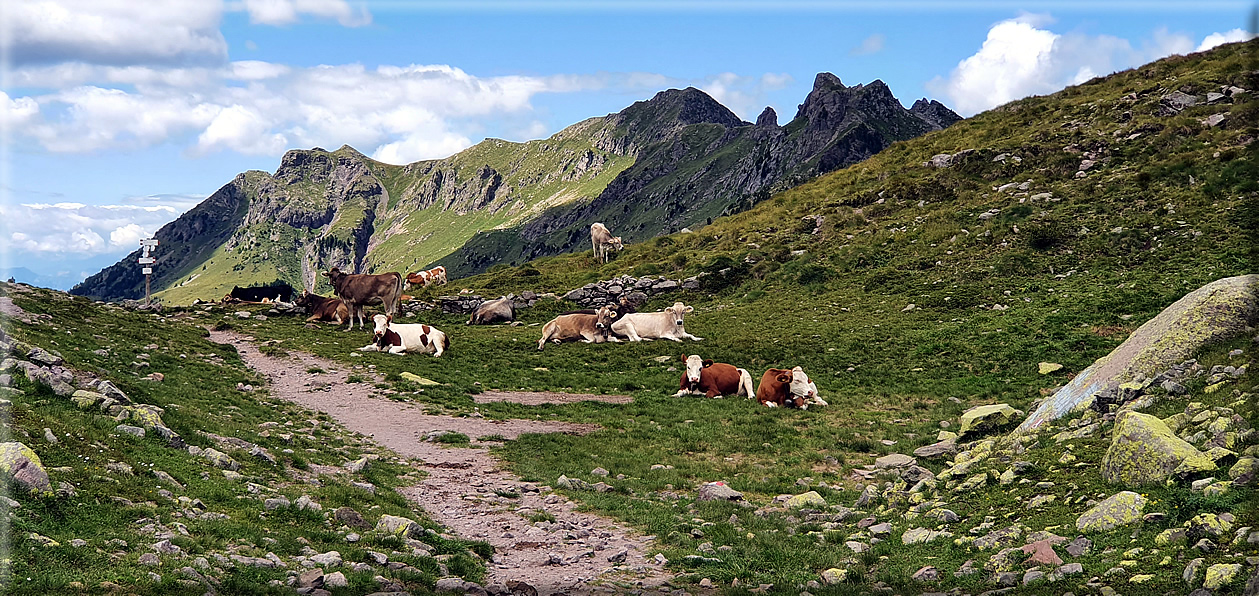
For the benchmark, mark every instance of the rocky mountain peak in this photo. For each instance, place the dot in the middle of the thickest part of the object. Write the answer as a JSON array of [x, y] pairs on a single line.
[[934, 112], [767, 118], [825, 81]]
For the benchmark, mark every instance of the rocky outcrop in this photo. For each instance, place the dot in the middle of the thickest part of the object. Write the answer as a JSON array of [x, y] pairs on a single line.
[[1215, 312], [984, 419], [1119, 509], [1145, 451]]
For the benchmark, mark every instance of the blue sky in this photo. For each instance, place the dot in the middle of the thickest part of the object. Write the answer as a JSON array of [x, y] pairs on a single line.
[[120, 115]]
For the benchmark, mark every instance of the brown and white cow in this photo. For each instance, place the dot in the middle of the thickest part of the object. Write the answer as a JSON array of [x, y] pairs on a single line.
[[424, 279], [775, 390], [323, 309], [804, 387], [713, 379], [401, 338], [500, 310], [666, 324], [592, 329], [358, 289], [602, 240]]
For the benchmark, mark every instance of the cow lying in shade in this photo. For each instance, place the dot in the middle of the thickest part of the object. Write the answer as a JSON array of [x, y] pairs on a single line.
[[713, 379], [666, 324], [501, 310], [592, 329], [324, 309], [400, 338]]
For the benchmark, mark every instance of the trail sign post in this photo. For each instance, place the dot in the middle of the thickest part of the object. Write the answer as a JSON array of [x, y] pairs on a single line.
[[147, 245]]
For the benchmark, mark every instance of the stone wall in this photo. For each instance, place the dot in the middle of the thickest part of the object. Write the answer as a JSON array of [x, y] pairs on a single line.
[[592, 295]]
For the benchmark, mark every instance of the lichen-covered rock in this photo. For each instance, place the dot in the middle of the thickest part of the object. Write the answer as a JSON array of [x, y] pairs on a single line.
[[1244, 466], [809, 499], [1220, 575], [86, 400], [833, 576], [144, 415], [398, 526], [1215, 312], [1119, 509], [220, 460], [921, 535], [19, 462], [983, 419], [1144, 450]]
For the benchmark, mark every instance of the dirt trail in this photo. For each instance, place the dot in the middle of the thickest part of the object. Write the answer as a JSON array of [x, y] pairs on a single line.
[[464, 487]]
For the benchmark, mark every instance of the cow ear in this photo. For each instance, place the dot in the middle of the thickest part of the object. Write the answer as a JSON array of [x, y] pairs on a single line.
[[708, 363], [689, 309], [684, 357], [388, 318]]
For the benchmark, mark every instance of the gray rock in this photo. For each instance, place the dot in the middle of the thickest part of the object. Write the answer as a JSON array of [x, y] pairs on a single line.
[[927, 574], [19, 462], [1120, 509], [150, 559], [1032, 576], [939, 449], [895, 460], [717, 491], [276, 503], [1079, 547], [125, 429], [331, 558]]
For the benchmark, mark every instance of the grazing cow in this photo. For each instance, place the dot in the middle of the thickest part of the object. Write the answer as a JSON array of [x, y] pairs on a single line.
[[400, 338], [502, 310], [775, 390], [713, 379], [666, 324], [592, 329], [424, 279], [324, 309], [360, 289], [804, 387], [602, 240], [271, 293]]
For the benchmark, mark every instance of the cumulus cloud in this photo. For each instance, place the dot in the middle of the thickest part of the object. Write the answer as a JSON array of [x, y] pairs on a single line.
[[1022, 57], [744, 95], [76, 229], [287, 12], [869, 45], [1216, 39]]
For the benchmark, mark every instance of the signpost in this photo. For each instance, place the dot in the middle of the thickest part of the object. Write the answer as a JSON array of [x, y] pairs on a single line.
[[147, 245]]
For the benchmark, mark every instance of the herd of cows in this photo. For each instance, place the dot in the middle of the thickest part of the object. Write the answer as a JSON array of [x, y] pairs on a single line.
[[612, 323]]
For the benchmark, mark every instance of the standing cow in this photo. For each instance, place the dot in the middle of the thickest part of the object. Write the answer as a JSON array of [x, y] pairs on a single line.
[[358, 290], [424, 279], [602, 240], [713, 379], [592, 329], [666, 324]]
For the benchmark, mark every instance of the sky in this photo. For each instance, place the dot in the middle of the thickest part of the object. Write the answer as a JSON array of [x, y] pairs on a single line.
[[116, 116]]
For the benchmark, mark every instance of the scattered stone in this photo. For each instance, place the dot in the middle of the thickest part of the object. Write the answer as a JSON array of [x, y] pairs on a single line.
[[922, 535], [941, 448], [1049, 367], [895, 460], [134, 431], [1041, 553], [1032, 576], [19, 462], [717, 491], [1120, 509], [398, 526], [983, 419], [927, 574], [809, 499], [833, 576], [1220, 575]]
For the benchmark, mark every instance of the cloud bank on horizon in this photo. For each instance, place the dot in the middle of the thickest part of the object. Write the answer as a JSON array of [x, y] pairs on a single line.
[[94, 76]]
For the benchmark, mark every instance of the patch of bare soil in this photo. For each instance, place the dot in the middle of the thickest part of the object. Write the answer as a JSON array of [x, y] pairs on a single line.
[[466, 490], [536, 398]]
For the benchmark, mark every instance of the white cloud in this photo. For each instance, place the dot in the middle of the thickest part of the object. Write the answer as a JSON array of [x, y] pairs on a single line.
[[870, 45], [127, 236], [286, 12], [1216, 39], [17, 112], [243, 130], [1021, 57], [745, 96], [76, 229]]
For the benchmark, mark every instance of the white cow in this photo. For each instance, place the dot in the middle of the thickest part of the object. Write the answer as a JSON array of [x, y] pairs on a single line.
[[666, 324], [400, 338], [804, 387], [601, 240]]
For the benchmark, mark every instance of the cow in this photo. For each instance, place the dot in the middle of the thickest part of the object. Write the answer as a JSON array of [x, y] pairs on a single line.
[[424, 279], [399, 338], [713, 379], [281, 292], [775, 390], [592, 329], [500, 310], [666, 324], [359, 289], [324, 309], [804, 387], [601, 240]]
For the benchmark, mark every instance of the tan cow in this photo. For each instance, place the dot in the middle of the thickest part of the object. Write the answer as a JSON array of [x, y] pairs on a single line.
[[324, 309], [592, 329], [601, 240], [666, 324], [358, 289]]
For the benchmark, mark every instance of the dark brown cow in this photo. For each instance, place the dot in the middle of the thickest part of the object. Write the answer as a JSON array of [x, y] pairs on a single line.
[[358, 289], [713, 379], [324, 309], [592, 329], [775, 390]]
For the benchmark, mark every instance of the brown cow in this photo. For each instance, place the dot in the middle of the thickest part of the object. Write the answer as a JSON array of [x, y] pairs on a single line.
[[775, 390], [713, 379], [592, 329], [324, 309], [603, 241], [358, 289]]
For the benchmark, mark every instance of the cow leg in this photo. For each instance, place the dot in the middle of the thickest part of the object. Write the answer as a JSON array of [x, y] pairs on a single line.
[[314, 318], [547, 331], [399, 350], [630, 333], [689, 336]]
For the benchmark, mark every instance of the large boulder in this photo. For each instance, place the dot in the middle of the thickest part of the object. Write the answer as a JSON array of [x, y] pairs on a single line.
[[1119, 509], [19, 462], [1144, 451], [983, 419], [398, 526], [1218, 311]]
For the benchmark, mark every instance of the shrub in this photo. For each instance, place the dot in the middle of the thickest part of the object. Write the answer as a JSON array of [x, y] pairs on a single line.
[[1044, 234]]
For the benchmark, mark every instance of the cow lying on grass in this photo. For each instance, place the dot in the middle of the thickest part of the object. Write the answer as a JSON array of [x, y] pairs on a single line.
[[804, 387], [666, 324], [324, 309], [401, 338], [500, 310], [791, 388], [713, 379], [592, 329]]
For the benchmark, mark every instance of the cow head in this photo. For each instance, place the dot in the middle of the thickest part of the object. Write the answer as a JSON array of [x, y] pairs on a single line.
[[678, 310], [616, 241], [801, 385], [694, 365], [382, 325], [334, 276], [603, 317]]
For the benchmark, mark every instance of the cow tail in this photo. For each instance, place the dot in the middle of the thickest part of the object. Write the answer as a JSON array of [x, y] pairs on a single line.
[[745, 383]]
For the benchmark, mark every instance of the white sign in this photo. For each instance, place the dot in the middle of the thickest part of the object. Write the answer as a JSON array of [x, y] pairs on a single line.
[[148, 242], [147, 270], [146, 260]]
